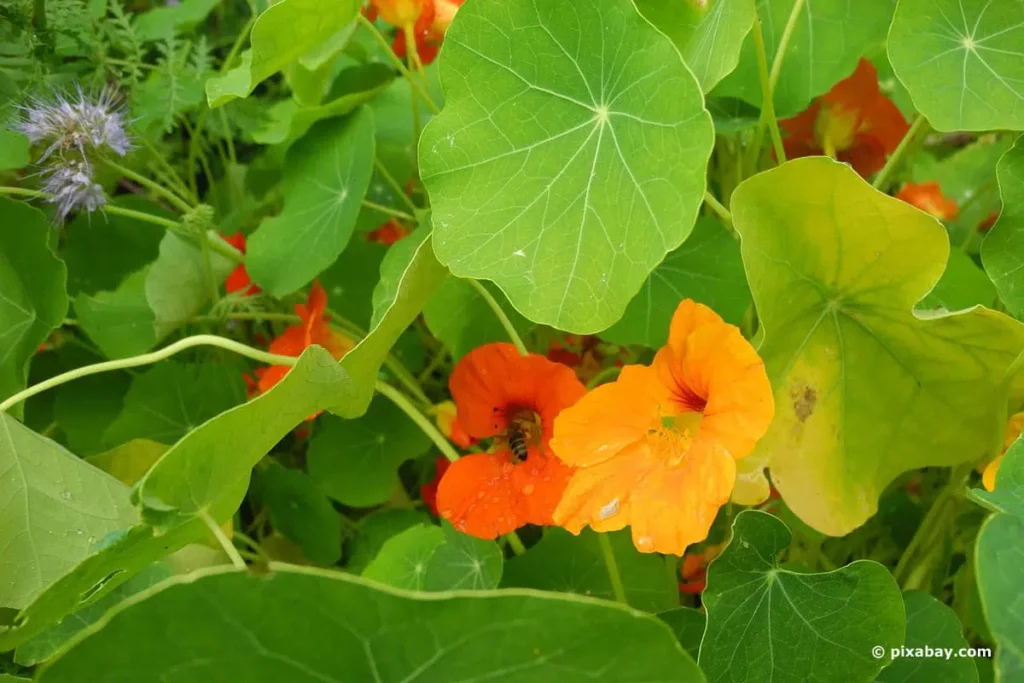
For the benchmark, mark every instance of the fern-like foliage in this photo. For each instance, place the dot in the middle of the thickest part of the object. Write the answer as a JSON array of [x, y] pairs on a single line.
[[175, 86]]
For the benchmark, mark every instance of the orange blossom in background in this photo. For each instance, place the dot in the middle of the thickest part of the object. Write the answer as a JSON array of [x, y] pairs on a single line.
[[238, 280], [1013, 429], [929, 198]]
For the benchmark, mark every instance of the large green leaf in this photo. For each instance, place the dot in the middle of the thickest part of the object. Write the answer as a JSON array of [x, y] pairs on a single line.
[[999, 563], [350, 280], [463, 320], [1002, 250], [325, 177], [288, 120], [300, 511], [188, 482], [14, 149], [707, 268], [309, 625], [827, 40], [178, 285], [864, 388], [709, 34], [1008, 495], [32, 298], [169, 400], [575, 564], [356, 461], [931, 624], [84, 408], [688, 624], [962, 285], [407, 281], [170, 20], [961, 61], [55, 508], [281, 35], [766, 623], [569, 158], [120, 322], [375, 529]]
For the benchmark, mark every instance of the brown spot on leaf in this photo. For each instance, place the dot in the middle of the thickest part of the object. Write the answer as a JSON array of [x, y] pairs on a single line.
[[805, 398]]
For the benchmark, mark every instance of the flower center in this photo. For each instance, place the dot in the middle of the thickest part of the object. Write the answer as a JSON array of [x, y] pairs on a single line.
[[523, 432], [835, 129], [672, 440]]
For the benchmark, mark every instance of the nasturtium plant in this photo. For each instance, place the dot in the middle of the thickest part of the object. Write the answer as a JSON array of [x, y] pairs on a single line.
[[511, 340]]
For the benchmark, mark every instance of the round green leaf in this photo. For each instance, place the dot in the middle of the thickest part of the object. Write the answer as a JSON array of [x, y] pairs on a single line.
[[961, 60], [575, 564], [709, 34], [570, 156], [309, 625], [375, 529], [119, 322], [1002, 252], [688, 624], [931, 624], [707, 268], [463, 562], [349, 282], [325, 178], [864, 388], [999, 562], [766, 623], [403, 559], [300, 511], [356, 461], [1008, 496], [828, 39], [962, 285]]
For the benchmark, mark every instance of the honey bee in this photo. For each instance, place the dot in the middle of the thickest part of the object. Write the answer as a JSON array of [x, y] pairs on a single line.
[[518, 434]]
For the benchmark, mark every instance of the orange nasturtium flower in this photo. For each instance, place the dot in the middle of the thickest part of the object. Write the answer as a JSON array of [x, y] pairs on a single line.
[[387, 234], [656, 449], [929, 198], [429, 30], [238, 280], [695, 570], [1013, 429], [312, 329], [446, 415], [514, 399], [853, 122]]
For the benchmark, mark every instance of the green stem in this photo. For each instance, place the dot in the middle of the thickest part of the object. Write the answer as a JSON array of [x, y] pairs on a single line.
[[148, 359], [932, 524], [383, 42], [897, 156], [718, 207], [514, 542], [174, 226], [406, 406], [225, 542], [499, 312], [22, 192], [602, 376], [390, 180], [180, 187], [389, 211], [767, 95], [613, 568], [780, 52], [204, 246], [157, 188], [406, 378]]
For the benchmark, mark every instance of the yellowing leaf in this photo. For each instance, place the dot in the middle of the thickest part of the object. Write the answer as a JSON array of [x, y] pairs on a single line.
[[864, 388]]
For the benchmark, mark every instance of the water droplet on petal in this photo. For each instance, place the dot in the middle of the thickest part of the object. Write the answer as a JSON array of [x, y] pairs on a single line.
[[446, 513], [645, 544], [479, 494], [528, 489], [65, 494], [461, 525], [608, 510], [496, 499]]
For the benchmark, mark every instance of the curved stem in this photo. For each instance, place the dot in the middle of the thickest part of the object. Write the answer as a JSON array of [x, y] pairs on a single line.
[[767, 95], [214, 243], [780, 52], [718, 207], [406, 406], [499, 312], [390, 180], [157, 188], [618, 590], [389, 211], [222, 538], [22, 192], [897, 155], [382, 41], [181, 188], [148, 359]]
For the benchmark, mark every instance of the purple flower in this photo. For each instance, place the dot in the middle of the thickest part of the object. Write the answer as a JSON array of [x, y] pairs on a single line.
[[69, 185], [83, 123]]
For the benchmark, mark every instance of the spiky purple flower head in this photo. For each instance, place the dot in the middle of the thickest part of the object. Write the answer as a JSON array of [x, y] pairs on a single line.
[[83, 123], [69, 185]]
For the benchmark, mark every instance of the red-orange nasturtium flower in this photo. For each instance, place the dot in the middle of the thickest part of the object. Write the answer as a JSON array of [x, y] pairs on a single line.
[[929, 198], [312, 329], [429, 33], [989, 221], [446, 415], [428, 492], [852, 122], [387, 234], [499, 393], [695, 570], [1013, 428], [656, 449], [238, 280]]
